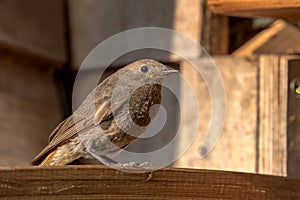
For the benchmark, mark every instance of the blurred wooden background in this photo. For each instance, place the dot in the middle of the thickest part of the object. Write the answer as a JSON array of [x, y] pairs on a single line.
[[42, 45]]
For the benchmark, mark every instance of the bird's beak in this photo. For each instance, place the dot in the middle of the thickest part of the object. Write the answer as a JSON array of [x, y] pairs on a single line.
[[168, 70]]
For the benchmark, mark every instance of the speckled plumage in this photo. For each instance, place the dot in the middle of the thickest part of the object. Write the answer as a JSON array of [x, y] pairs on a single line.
[[102, 124]]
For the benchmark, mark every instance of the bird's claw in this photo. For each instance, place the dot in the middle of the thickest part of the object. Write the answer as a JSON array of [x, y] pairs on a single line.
[[134, 167]]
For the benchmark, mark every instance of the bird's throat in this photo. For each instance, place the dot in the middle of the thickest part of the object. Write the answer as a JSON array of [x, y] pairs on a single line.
[[141, 102]]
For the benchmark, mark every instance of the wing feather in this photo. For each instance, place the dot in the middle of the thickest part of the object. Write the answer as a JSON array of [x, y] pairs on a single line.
[[85, 118], [68, 129], [59, 137]]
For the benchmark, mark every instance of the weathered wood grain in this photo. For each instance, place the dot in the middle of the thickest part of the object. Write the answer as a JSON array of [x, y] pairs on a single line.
[[235, 150], [94, 182], [283, 9], [272, 127]]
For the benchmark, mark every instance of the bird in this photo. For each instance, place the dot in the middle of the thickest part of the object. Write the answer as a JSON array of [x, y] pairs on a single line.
[[114, 114]]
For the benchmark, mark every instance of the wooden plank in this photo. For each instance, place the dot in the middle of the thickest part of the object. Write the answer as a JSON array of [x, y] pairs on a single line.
[[272, 130], [92, 182], [235, 150], [293, 129], [262, 112], [284, 9], [279, 38]]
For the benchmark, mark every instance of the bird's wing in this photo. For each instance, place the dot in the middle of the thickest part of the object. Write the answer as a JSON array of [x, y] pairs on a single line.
[[60, 127], [68, 128], [61, 134], [85, 118]]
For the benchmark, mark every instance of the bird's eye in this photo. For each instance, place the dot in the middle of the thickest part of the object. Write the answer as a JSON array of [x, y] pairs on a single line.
[[144, 69]]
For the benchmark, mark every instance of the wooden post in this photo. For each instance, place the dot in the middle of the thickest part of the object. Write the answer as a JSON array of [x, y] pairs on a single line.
[[272, 132], [215, 32], [279, 116]]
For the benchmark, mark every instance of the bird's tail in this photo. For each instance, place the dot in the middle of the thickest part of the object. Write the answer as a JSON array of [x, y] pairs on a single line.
[[56, 158], [48, 160]]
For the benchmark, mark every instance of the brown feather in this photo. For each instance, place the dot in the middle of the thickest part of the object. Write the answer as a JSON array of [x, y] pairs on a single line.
[[95, 110], [48, 159], [61, 128], [58, 138], [67, 130], [102, 112]]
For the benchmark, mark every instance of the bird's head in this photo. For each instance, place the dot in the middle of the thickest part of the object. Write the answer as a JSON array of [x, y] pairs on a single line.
[[146, 71]]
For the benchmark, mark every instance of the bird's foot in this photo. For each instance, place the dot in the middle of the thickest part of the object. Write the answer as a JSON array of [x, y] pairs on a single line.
[[134, 167], [128, 167]]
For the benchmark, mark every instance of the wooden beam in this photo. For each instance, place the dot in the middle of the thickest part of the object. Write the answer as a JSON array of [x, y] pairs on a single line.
[[95, 182], [284, 9], [280, 38]]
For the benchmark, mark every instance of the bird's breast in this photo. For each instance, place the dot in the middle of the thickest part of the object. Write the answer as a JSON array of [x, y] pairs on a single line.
[[141, 102]]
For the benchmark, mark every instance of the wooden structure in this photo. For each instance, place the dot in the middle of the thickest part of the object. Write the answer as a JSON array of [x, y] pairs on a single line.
[[283, 9], [263, 139], [273, 121], [96, 182], [279, 38], [278, 101], [239, 152], [261, 130]]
